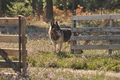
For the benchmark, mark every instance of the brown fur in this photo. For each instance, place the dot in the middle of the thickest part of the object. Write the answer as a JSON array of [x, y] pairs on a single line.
[[58, 36]]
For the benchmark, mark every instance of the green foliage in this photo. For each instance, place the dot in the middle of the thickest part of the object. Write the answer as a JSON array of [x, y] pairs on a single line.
[[90, 5], [19, 8], [58, 3]]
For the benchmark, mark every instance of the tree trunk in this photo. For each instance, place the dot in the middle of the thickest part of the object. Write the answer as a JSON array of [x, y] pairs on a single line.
[[34, 5], [0, 8], [64, 2], [49, 10], [73, 6], [108, 4]]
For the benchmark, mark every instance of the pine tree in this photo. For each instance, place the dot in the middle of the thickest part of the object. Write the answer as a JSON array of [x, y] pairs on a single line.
[[49, 10]]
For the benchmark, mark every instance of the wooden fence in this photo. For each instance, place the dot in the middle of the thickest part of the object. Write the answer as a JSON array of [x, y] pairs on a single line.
[[20, 39], [95, 33]]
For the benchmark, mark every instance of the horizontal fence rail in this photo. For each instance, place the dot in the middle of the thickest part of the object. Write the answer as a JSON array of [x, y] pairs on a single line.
[[96, 47], [97, 29], [10, 38], [96, 17], [9, 21], [11, 51], [96, 37], [3, 64]]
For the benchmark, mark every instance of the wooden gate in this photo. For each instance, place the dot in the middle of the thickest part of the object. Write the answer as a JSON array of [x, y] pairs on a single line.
[[94, 33], [20, 39]]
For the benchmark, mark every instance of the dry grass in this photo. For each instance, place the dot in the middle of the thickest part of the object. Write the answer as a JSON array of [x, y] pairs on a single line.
[[38, 73]]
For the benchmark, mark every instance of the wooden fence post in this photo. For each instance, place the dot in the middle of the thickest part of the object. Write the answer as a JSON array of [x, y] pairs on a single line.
[[19, 16], [23, 42], [110, 41], [73, 33]]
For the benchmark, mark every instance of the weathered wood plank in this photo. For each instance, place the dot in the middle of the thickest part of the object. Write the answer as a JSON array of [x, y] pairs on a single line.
[[3, 64], [10, 38], [95, 37], [20, 39], [91, 55], [73, 34], [11, 52], [8, 61], [110, 33], [95, 17], [95, 47], [23, 42], [97, 29], [8, 21]]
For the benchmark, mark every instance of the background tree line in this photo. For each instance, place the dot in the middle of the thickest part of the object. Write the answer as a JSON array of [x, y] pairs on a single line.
[[35, 7]]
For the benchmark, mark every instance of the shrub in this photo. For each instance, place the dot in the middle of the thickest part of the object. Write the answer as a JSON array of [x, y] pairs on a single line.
[[19, 8]]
